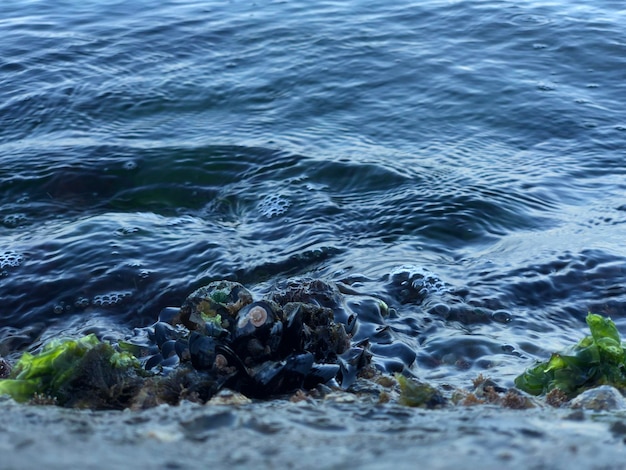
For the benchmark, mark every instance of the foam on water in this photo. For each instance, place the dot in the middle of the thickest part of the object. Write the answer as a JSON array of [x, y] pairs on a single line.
[[10, 259], [273, 205]]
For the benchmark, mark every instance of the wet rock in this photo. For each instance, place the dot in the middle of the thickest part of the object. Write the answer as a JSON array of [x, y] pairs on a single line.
[[312, 291], [217, 303], [229, 397], [603, 398], [276, 345]]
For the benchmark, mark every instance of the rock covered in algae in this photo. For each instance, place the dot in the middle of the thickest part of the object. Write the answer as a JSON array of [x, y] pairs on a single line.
[[216, 303], [312, 292], [597, 359], [418, 394]]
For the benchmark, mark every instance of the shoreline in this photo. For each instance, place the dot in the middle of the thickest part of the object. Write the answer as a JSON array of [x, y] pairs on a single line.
[[310, 434]]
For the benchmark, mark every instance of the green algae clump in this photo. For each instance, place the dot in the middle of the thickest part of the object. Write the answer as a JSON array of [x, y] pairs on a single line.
[[81, 372], [597, 359], [418, 394]]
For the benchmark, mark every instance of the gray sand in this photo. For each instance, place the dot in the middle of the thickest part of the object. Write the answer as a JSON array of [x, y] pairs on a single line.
[[310, 434]]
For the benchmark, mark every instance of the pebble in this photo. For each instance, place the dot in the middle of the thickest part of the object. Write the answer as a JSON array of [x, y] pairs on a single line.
[[602, 398]]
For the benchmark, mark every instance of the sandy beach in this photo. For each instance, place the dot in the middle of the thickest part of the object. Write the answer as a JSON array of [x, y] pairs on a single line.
[[310, 435]]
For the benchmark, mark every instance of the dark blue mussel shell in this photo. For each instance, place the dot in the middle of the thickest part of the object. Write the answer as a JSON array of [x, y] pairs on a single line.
[[275, 377], [258, 332]]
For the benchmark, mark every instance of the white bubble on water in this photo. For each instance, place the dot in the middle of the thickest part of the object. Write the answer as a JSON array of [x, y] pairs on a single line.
[[10, 259], [130, 165], [420, 278], [81, 302], [112, 298], [14, 220], [273, 204]]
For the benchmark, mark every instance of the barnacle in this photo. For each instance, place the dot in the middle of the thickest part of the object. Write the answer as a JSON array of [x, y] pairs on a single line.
[[257, 316]]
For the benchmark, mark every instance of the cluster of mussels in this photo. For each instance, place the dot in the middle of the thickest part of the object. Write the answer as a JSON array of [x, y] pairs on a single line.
[[298, 337]]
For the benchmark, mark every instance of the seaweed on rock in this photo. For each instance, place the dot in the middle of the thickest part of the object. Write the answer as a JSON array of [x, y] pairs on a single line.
[[82, 373], [597, 359], [418, 394]]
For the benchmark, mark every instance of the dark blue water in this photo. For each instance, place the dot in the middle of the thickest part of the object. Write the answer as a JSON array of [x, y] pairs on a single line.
[[465, 161]]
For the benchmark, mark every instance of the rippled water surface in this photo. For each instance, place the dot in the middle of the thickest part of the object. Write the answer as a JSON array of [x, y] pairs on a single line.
[[463, 160]]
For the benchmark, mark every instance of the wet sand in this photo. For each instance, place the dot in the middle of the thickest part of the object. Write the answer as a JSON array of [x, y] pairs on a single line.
[[310, 435]]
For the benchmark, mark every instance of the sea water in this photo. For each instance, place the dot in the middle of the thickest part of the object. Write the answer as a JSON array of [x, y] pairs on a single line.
[[464, 161]]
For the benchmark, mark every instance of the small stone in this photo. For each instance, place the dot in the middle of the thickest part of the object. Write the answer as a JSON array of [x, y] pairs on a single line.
[[228, 397], [603, 398], [340, 397], [618, 428]]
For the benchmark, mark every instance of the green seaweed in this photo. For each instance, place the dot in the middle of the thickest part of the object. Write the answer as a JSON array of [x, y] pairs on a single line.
[[418, 394], [597, 359], [69, 370], [220, 296]]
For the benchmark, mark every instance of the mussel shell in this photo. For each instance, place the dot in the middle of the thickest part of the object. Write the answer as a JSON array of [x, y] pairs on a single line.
[[274, 377], [232, 358], [258, 333], [256, 319], [170, 362], [320, 374], [351, 363], [153, 361], [161, 363], [202, 350], [182, 349], [168, 348], [168, 314], [275, 338], [293, 334], [351, 324], [163, 332]]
